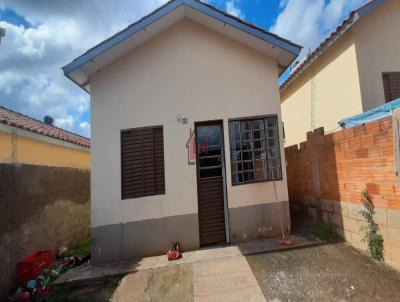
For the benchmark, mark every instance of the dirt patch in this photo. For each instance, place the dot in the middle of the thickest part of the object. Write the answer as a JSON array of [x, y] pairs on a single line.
[[334, 272], [101, 290]]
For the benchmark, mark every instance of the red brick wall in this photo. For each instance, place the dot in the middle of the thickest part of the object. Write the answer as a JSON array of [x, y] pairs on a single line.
[[349, 162]]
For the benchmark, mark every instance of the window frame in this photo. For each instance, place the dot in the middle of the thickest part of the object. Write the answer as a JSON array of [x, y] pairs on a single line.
[[121, 161], [253, 118], [386, 76]]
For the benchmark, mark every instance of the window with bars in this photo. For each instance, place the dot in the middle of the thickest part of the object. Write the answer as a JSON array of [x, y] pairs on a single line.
[[142, 162], [255, 150], [391, 85]]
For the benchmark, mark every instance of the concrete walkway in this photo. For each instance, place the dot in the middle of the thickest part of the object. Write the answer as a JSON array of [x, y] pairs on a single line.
[[214, 274], [88, 271], [226, 279], [221, 279]]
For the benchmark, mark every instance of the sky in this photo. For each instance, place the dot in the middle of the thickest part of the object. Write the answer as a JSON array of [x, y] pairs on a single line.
[[44, 35]]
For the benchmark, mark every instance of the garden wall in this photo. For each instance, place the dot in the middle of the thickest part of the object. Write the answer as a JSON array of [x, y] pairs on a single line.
[[327, 173], [41, 208]]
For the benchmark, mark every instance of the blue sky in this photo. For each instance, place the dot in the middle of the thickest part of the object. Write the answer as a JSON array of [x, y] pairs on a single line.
[[43, 35]]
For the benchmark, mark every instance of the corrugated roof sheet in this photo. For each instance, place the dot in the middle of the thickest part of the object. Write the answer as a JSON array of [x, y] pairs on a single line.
[[21, 121]]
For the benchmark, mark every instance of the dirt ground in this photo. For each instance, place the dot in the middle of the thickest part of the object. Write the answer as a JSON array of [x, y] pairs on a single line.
[[333, 272], [101, 290]]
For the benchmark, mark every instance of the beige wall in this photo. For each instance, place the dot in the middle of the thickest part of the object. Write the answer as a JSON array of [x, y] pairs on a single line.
[[187, 70], [35, 149], [337, 92], [348, 75], [377, 38]]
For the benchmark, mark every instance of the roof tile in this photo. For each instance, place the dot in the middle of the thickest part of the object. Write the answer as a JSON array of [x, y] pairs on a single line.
[[18, 120]]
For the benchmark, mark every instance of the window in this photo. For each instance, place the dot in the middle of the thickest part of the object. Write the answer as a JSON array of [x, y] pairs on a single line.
[[142, 162], [209, 150], [391, 85], [255, 150]]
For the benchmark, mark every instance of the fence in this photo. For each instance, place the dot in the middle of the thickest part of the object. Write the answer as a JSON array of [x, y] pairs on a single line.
[[42, 208], [327, 174]]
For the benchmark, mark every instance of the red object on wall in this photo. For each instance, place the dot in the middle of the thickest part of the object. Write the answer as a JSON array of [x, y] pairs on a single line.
[[30, 267]]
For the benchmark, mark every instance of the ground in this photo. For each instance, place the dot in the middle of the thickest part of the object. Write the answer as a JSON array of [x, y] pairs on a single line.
[[332, 272], [99, 290], [324, 272]]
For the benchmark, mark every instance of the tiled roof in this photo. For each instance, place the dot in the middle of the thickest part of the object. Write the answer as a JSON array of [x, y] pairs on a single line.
[[18, 120], [337, 33]]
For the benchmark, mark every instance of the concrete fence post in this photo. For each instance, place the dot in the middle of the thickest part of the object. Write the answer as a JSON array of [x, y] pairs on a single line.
[[311, 138]]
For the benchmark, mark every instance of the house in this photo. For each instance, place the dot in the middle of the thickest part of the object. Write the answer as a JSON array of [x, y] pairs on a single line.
[[185, 68], [44, 189], [354, 70], [25, 140]]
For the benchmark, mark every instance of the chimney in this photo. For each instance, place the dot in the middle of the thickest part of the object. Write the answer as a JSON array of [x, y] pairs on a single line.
[[48, 120]]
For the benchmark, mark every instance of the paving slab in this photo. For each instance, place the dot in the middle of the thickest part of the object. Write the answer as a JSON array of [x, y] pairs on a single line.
[[226, 279], [133, 287], [167, 284]]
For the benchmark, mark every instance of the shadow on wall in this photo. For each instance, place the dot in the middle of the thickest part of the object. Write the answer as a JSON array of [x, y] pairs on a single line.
[[42, 208], [327, 174]]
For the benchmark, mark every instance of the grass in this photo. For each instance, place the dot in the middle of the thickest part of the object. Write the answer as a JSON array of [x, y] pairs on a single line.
[[325, 231], [83, 248]]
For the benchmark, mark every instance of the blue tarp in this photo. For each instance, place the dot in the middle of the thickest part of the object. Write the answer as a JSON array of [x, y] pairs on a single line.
[[371, 115]]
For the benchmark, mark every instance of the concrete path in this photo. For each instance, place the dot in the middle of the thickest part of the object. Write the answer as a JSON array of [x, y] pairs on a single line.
[[214, 274], [87, 271], [220, 279], [227, 279]]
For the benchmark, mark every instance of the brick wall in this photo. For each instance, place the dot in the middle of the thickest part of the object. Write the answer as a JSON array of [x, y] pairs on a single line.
[[348, 162], [42, 208]]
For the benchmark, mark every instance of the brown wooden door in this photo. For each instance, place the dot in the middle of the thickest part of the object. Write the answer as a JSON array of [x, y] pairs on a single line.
[[210, 183]]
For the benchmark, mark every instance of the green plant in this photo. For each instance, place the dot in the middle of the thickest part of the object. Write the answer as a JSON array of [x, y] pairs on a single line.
[[83, 248], [372, 236], [324, 231]]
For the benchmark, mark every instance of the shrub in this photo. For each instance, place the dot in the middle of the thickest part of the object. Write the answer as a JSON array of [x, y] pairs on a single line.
[[372, 236], [325, 231]]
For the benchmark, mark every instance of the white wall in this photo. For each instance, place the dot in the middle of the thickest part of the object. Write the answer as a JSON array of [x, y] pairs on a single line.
[[187, 70]]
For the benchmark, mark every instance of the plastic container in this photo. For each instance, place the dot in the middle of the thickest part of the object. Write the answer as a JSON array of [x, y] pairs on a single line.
[[33, 265]]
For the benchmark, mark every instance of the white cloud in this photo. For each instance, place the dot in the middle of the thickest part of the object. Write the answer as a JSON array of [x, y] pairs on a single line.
[[31, 80], [308, 22], [85, 126], [233, 8], [65, 123]]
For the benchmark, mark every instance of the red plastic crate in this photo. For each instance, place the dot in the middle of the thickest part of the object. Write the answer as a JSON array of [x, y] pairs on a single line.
[[33, 265]]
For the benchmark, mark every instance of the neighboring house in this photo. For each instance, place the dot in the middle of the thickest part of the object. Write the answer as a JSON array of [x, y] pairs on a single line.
[[355, 69], [186, 66], [26, 140]]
